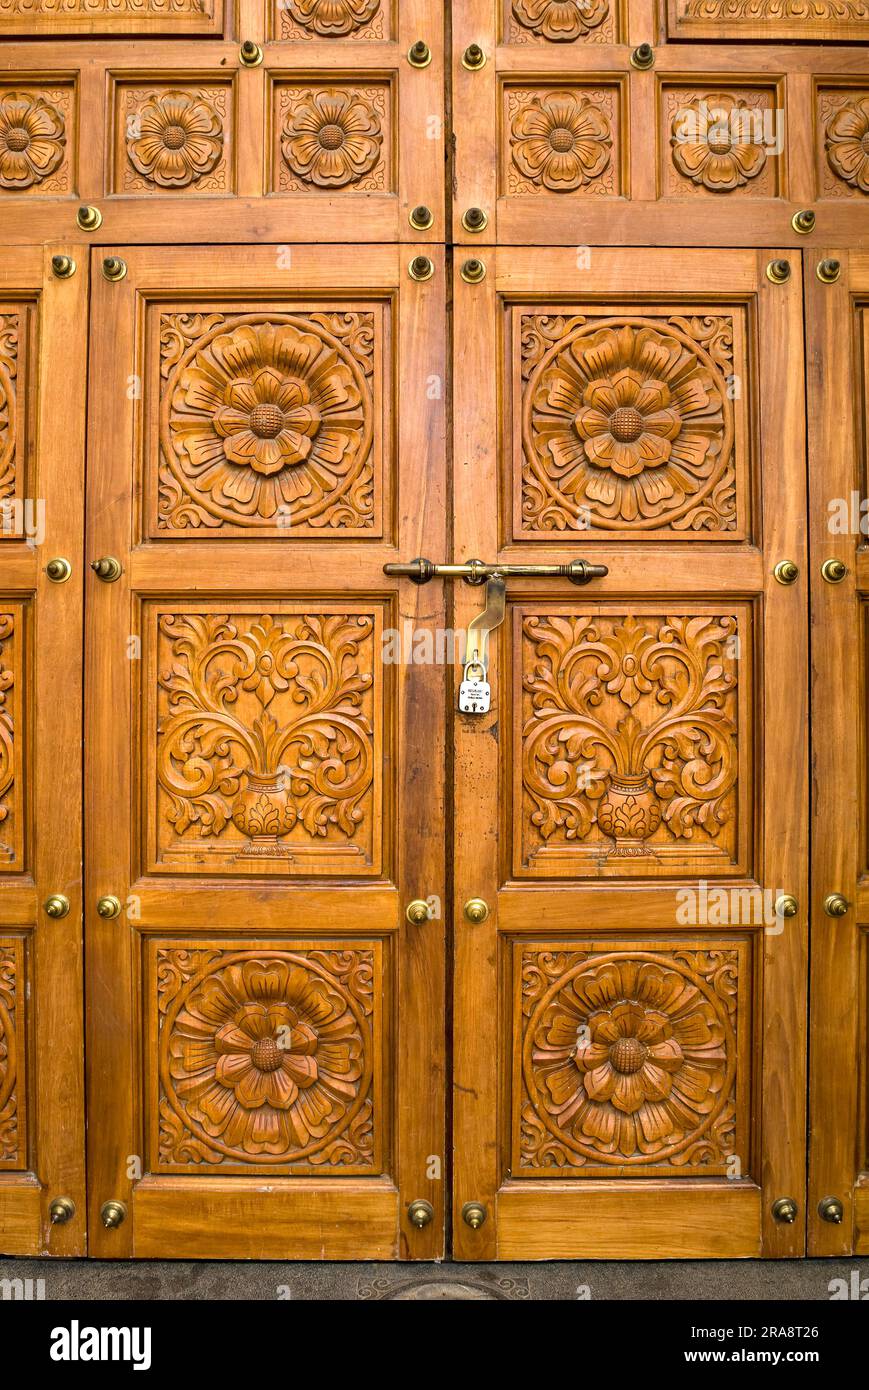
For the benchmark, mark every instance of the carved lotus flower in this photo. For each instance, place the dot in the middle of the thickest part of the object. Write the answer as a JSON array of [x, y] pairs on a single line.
[[713, 142], [630, 1059], [179, 140], [332, 139], [629, 418], [265, 1056], [32, 140], [561, 20], [332, 17], [847, 143], [262, 412], [561, 141]]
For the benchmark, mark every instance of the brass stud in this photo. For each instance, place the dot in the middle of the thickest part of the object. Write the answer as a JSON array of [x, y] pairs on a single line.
[[473, 58], [61, 1210], [62, 267], [784, 1209], [787, 572], [89, 218], [475, 220], [250, 54], [828, 271], [420, 1213], [107, 568], [778, 271], [831, 1209], [57, 906], [803, 222], [834, 571], [421, 218], [419, 55], [113, 1214], [114, 268], [643, 57], [421, 268], [58, 570], [473, 1215], [109, 906], [473, 271], [835, 905], [786, 905], [476, 910], [416, 912]]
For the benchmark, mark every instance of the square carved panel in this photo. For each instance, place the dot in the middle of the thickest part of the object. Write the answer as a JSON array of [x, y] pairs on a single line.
[[723, 141], [19, 509], [842, 126], [267, 420], [265, 1056], [632, 1058], [333, 137], [173, 136], [630, 421], [37, 138], [56, 18], [562, 22], [562, 139], [13, 735], [263, 738], [632, 740], [301, 20], [13, 1055]]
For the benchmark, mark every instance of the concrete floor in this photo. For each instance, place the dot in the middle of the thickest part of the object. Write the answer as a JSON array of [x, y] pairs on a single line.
[[690, 1280]]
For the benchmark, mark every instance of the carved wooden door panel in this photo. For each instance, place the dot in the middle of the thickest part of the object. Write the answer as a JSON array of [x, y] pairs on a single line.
[[630, 1036], [266, 1027], [42, 402], [837, 300]]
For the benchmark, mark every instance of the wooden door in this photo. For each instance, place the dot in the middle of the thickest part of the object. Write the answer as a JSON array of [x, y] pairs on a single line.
[[629, 1077], [42, 400], [264, 770], [837, 300]]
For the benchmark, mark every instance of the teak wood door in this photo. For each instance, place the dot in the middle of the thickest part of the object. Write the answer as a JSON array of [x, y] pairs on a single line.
[[629, 1075], [264, 785]]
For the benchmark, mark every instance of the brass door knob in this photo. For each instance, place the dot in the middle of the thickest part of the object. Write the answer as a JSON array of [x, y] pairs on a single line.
[[831, 1209], [61, 1210], [786, 905], [473, 1215], [834, 571], [473, 58], [419, 55], [784, 1210], [475, 220], [835, 905], [89, 218], [58, 570], [114, 268], [420, 1213], [476, 910], [421, 268], [57, 905], [828, 271], [787, 572], [416, 912], [421, 218], [778, 271], [63, 267], [643, 57], [803, 222], [113, 1214], [107, 568], [473, 270], [250, 54], [109, 906]]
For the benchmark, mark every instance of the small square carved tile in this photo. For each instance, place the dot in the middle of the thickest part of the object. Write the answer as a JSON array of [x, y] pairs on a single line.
[[562, 140], [721, 142], [300, 20], [173, 137], [561, 22], [332, 138], [842, 126], [37, 139]]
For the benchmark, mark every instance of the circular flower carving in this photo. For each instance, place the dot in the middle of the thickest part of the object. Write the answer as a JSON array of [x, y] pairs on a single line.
[[561, 20], [332, 17], [331, 139], [714, 144], [268, 414], [847, 143], [629, 1058], [627, 421], [561, 141], [179, 139], [265, 1057], [32, 140]]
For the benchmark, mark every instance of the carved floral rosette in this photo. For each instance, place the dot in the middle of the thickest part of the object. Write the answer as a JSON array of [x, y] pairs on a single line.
[[627, 424], [629, 1060], [331, 19], [561, 21], [266, 1058]]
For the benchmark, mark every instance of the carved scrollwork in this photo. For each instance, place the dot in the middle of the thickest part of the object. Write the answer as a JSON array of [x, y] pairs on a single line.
[[629, 1058], [7, 732], [10, 1137], [9, 352], [828, 12]]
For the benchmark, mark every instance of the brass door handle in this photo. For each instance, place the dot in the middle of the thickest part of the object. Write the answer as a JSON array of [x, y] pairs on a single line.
[[476, 572]]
